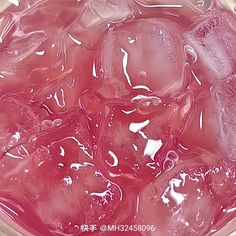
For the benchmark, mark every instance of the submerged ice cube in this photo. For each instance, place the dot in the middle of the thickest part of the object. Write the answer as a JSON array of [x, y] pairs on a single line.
[[225, 94], [144, 54], [55, 172], [213, 38], [186, 200], [117, 113]]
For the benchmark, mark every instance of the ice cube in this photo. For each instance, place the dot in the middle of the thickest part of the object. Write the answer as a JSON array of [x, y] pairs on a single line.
[[133, 140], [144, 54], [55, 173], [17, 121], [42, 48], [214, 39], [229, 4], [111, 10], [182, 200], [96, 17], [187, 8], [200, 128], [225, 94]]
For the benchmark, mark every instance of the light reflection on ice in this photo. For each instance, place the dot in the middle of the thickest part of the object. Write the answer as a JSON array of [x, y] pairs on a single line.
[[40, 53], [77, 166], [125, 63], [14, 156], [5, 209], [78, 42], [152, 147], [136, 127], [94, 70], [115, 159], [82, 147], [16, 137], [171, 192], [15, 2], [201, 120], [230, 210], [62, 151], [159, 5], [60, 102], [68, 180], [103, 195], [142, 87], [196, 78]]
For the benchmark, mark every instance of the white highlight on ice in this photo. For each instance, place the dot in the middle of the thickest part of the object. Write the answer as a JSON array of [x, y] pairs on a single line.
[[82, 147], [115, 159], [94, 70], [75, 40], [152, 147], [201, 120], [40, 53], [15, 2], [62, 104], [103, 195], [68, 180], [16, 136], [230, 210], [161, 5], [2, 206], [14, 156], [136, 127], [77, 166], [196, 78], [170, 190], [62, 151], [125, 63], [142, 87]]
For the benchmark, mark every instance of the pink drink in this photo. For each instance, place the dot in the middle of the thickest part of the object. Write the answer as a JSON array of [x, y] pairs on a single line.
[[117, 113]]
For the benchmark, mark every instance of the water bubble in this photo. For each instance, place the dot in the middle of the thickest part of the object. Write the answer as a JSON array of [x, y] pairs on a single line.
[[168, 164], [143, 74], [190, 54], [132, 40], [57, 122], [32, 138], [15, 138], [171, 159], [173, 155], [47, 124]]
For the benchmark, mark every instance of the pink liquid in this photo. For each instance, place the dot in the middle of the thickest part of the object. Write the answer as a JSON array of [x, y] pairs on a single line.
[[117, 112]]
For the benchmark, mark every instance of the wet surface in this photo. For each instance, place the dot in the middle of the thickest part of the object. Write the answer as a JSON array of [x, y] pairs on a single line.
[[117, 112]]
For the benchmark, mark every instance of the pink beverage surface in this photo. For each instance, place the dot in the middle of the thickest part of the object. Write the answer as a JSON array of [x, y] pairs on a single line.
[[117, 113]]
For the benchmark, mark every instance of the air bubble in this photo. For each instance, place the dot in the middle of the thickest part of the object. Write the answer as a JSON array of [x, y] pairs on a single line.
[[57, 122], [174, 156], [32, 138], [190, 54], [47, 124], [168, 164], [171, 160], [143, 74], [132, 40]]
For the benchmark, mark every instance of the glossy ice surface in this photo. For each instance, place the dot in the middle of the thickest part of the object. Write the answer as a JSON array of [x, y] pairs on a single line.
[[117, 112]]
